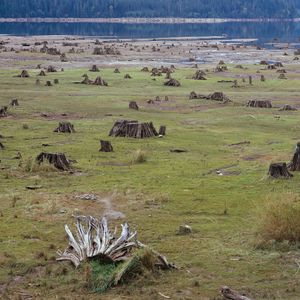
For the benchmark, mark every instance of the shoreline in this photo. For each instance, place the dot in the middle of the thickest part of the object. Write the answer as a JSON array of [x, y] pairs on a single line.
[[146, 20]]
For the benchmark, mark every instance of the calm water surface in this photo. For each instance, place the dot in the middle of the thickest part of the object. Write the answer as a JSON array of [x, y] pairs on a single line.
[[264, 32]]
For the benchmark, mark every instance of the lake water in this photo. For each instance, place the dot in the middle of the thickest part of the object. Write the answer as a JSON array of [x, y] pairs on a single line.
[[264, 32]]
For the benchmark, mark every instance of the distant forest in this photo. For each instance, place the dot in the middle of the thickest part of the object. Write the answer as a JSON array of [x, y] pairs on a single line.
[[150, 8]]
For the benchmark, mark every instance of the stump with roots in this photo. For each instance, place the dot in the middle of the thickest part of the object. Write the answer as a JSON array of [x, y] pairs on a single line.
[[65, 127], [125, 128], [172, 82], [260, 103], [48, 83], [232, 294], [94, 68], [133, 105], [162, 130], [279, 170], [117, 71], [106, 146], [199, 75], [94, 239], [58, 160], [14, 102], [145, 69], [3, 111], [51, 69], [42, 73], [287, 107], [100, 81], [127, 76], [24, 74], [294, 165]]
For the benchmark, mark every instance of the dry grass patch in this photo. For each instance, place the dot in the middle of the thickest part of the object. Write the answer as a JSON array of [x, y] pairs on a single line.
[[279, 219]]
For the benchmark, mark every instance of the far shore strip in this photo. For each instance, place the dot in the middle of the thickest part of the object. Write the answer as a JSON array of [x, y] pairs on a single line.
[[143, 20]]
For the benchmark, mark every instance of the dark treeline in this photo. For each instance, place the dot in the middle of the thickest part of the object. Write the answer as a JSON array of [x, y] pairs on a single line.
[[150, 8]]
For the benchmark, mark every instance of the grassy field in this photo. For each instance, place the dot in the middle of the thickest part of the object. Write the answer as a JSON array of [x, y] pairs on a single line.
[[157, 196]]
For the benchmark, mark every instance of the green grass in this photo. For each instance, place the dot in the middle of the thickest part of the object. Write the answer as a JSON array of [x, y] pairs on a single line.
[[167, 190]]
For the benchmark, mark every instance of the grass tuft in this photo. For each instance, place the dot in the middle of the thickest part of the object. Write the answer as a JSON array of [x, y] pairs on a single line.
[[279, 219]]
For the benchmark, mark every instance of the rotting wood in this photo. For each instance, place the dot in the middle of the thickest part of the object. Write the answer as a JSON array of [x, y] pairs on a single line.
[[58, 160], [65, 127], [279, 170], [14, 102], [230, 294], [125, 128], [294, 165], [260, 103], [94, 239], [162, 130], [106, 146], [133, 105]]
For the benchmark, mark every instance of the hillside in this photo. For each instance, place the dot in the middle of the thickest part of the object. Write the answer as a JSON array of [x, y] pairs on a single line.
[[149, 8]]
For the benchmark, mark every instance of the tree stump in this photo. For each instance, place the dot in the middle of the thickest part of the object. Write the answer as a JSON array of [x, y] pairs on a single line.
[[58, 160], [231, 294], [125, 128], [117, 71], [24, 74], [133, 105], [37, 82], [106, 146], [250, 80], [56, 81], [260, 103], [1, 146], [145, 69], [127, 76], [51, 69], [42, 73], [162, 130], [294, 165], [3, 111], [278, 170], [65, 127], [94, 68], [100, 81], [14, 102], [287, 107], [282, 76], [193, 95], [48, 83], [218, 96], [262, 78], [172, 82], [235, 84], [199, 75]]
